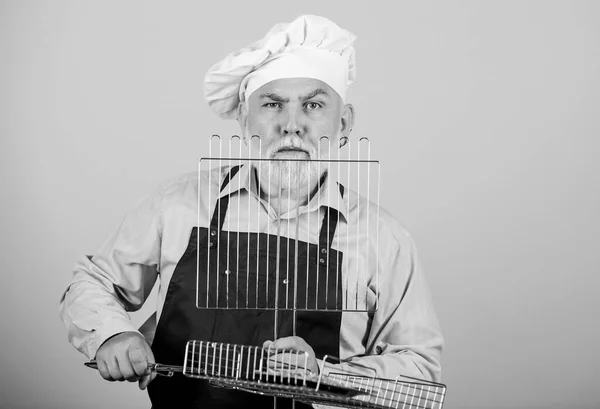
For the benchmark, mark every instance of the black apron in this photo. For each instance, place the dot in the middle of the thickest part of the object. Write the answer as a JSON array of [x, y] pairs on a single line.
[[181, 321]]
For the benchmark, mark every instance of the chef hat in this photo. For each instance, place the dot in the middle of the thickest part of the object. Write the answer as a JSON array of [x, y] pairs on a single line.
[[308, 47]]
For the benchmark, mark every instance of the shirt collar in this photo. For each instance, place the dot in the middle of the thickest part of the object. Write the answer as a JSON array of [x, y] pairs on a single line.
[[328, 195]]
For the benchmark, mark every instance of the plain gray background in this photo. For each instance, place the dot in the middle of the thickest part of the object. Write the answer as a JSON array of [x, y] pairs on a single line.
[[484, 115]]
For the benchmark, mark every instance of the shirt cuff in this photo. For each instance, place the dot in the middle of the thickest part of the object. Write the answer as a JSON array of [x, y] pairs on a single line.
[[107, 330]]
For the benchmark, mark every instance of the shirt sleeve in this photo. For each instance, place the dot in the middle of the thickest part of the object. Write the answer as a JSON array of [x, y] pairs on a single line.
[[116, 280], [405, 338]]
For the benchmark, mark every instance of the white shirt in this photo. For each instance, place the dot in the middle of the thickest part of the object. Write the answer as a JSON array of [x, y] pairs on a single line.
[[381, 270]]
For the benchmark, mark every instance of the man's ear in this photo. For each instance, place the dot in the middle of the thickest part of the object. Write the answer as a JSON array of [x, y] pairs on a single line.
[[242, 119], [347, 120]]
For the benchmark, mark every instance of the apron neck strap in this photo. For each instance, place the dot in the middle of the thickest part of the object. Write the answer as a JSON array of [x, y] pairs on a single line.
[[218, 217], [327, 233]]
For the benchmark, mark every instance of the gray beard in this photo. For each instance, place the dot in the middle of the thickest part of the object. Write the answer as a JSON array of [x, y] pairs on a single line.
[[296, 178]]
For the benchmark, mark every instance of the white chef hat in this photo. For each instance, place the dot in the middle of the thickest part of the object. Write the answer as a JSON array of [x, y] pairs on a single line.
[[308, 47]]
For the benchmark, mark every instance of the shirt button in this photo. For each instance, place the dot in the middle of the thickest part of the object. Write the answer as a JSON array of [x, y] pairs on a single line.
[[285, 281], [213, 233], [323, 250], [227, 272]]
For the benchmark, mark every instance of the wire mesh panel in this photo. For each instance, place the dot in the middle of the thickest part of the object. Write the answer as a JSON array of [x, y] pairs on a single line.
[[283, 373], [259, 217]]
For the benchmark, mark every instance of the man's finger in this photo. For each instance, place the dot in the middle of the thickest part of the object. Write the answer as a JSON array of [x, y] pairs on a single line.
[[150, 356], [294, 343], [113, 370], [139, 360], [293, 358], [103, 370], [296, 362], [146, 379], [126, 369]]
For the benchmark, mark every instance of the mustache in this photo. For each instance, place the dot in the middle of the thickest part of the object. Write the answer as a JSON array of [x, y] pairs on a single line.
[[291, 146]]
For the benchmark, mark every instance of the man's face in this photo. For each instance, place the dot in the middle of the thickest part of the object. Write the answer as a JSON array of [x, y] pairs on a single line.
[[291, 116]]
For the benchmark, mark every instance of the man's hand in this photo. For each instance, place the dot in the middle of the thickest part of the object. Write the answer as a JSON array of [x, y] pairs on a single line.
[[125, 357], [296, 344]]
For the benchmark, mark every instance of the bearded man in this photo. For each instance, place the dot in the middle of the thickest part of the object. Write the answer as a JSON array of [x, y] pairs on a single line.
[[286, 91]]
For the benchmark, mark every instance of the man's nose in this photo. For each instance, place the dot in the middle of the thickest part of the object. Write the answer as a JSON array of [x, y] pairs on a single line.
[[292, 123]]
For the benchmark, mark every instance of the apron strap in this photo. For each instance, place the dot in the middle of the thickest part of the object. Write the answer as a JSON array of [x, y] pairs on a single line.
[[218, 217], [327, 232]]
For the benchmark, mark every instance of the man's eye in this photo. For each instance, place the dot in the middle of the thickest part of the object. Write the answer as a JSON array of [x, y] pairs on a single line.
[[273, 105], [311, 106]]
